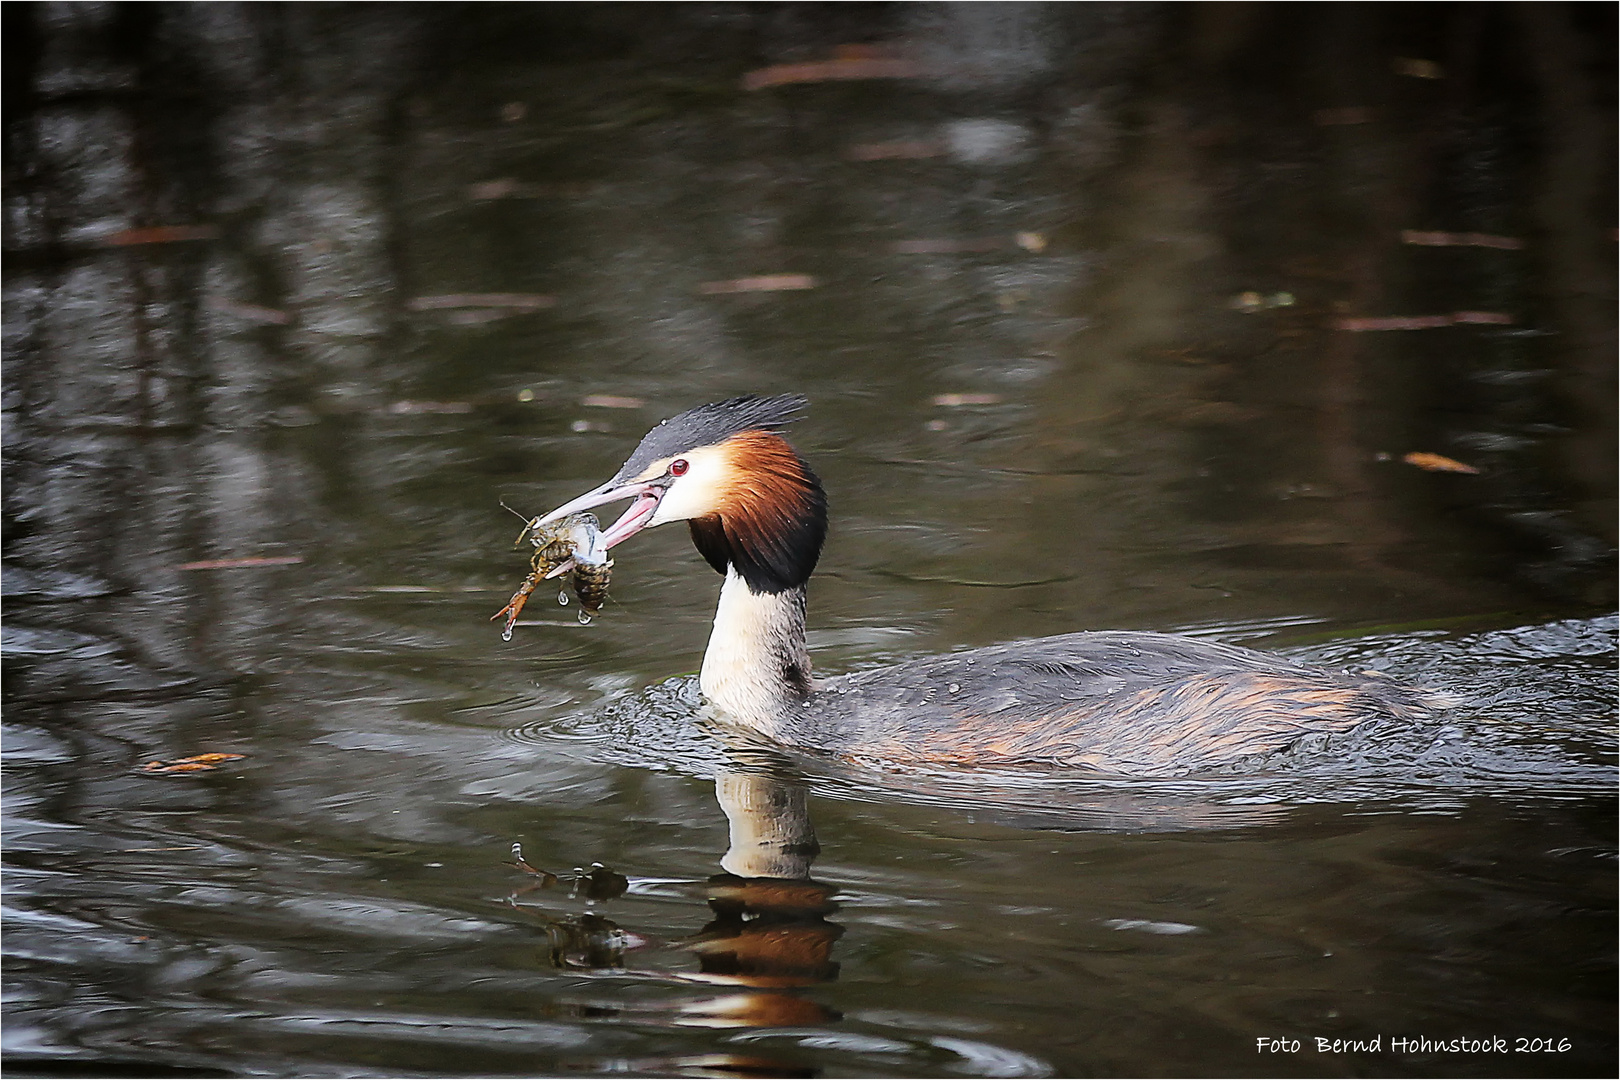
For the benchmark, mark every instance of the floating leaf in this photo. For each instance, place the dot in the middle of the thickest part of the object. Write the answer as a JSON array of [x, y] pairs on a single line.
[[509, 188], [160, 234], [1437, 463], [849, 62], [1350, 114], [763, 283], [1424, 322], [405, 408], [952, 401], [518, 301], [503, 188], [250, 312], [944, 246], [1251, 302], [900, 149], [1414, 68], [1421, 238], [195, 763], [241, 564]]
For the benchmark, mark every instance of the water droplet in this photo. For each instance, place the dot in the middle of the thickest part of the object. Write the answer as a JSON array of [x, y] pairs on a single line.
[[954, 688], [562, 597], [506, 635], [584, 617]]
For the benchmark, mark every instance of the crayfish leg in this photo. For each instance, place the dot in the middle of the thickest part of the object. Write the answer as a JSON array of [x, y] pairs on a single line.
[[515, 606]]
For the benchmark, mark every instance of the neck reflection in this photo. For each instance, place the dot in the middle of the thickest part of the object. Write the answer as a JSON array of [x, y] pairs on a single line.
[[770, 929]]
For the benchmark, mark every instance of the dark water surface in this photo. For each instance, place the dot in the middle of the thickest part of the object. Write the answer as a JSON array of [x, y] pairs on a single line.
[[1110, 316]]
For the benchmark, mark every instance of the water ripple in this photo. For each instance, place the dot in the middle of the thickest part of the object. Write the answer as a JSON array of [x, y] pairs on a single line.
[[1533, 718]]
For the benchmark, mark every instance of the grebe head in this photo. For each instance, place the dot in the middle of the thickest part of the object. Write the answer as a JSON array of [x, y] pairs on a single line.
[[752, 503]]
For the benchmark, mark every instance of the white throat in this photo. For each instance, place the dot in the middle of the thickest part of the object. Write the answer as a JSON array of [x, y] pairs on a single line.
[[756, 665]]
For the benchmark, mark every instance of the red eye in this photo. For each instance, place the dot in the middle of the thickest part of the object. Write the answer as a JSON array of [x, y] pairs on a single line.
[[678, 467]]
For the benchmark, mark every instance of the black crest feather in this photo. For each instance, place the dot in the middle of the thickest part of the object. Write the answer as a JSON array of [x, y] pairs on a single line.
[[712, 424]]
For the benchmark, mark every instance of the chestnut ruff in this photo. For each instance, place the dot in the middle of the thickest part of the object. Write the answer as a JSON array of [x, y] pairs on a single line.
[[771, 522]]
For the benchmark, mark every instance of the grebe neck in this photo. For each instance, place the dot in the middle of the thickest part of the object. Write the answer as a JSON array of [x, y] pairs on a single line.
[[756, 665]]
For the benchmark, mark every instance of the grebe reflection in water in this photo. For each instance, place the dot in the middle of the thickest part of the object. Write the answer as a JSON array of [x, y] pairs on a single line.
[[768, 936]]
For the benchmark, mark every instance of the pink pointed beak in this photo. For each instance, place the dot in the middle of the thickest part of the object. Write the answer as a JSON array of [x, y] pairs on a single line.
[[647, 495]]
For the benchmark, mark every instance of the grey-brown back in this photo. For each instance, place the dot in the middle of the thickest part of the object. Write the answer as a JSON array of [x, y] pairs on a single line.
[[1118, 701]]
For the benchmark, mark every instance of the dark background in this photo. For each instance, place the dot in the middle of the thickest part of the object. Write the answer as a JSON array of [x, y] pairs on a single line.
[[1116, 315]]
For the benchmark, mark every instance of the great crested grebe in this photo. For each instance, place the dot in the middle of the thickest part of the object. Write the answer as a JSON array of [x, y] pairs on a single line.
[[1123, 702]]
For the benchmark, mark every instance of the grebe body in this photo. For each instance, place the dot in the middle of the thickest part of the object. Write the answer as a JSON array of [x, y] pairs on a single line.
[[1115, 701]]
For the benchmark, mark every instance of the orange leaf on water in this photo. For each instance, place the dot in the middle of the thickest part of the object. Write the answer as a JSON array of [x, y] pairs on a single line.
[[194, 763], [843, 67], [1437, 463]]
